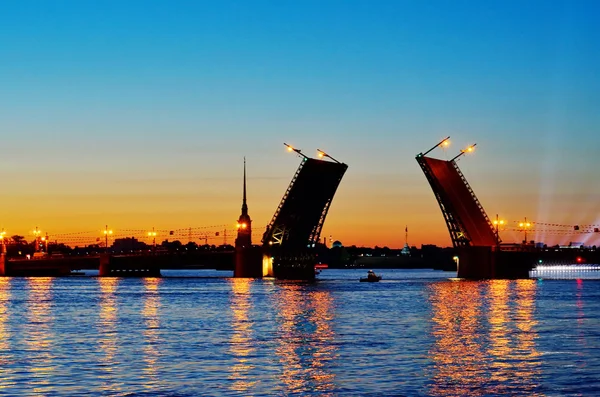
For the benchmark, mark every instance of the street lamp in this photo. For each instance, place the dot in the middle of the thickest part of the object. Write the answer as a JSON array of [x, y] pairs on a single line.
[[444, 143], [497, 223], [323, 154], [290, 148], [524, 226], [468, 149], [153, 235], [107, 232]]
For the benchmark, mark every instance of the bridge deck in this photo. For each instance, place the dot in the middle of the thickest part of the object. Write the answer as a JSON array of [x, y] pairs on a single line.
[[459, 199], [303, 210]]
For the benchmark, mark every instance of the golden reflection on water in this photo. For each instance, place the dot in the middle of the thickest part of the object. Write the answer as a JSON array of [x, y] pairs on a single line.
[[241, 338], [107, 330], [152, 322], [38, 336], [526, 353], [499, 348], [5, 352], [305, 339], [484, 338], [4, 313]]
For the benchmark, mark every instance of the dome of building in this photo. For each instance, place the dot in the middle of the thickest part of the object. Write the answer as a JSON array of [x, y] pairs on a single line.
[[337, 244]]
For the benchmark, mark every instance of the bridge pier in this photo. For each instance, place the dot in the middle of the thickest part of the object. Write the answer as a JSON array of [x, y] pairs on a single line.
[[300, 266], [480, 262], [248, 262], [476, 263]]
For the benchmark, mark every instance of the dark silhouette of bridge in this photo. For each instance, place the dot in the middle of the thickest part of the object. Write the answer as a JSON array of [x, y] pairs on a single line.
[[295, 229], [465, 217], [476, 240], [472, 233]]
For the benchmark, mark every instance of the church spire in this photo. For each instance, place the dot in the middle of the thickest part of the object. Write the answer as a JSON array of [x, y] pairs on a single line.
[[244, 205], [244, 224]]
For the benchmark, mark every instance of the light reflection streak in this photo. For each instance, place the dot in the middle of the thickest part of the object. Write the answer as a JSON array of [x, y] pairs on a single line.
[[484, 338], [107, 331], [526, 355], [4, 313], [499, 350], [580, 313], [457, 353], [5, 348], [241, 338], [38, 336], [305, 339], [152, 322]]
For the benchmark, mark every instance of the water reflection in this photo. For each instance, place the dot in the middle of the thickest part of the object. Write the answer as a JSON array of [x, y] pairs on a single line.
[[305, 339], [5, 348], [4, 313], [241, 338], [484, 338], [39, 332], [107, 330], [529, 358], [152, 322], [499, 349]]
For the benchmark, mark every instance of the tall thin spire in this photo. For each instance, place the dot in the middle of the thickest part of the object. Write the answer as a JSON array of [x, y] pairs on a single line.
[[244, 205]]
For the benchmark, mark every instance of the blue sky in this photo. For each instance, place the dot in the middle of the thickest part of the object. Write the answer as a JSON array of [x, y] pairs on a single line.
[[157, 102]]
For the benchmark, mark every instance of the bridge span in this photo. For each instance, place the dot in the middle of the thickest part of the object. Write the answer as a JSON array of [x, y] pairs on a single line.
[[473, 235], [290, 239]]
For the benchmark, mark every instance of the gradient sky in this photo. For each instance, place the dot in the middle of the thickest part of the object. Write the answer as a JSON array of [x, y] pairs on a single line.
[[138, 113]]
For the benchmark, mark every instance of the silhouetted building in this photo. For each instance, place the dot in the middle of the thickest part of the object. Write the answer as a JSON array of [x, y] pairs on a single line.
[[128, 244]]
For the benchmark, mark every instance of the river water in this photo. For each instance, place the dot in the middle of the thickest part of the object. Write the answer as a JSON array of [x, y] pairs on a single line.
[[414, 333]]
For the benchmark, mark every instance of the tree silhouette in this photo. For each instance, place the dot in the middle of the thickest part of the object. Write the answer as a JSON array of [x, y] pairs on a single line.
[[19, 240]]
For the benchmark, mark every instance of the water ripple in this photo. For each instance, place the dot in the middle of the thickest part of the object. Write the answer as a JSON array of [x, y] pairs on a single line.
[[414, 333]]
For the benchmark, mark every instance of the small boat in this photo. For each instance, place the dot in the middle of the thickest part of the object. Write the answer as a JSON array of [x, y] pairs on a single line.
[[371, 277]]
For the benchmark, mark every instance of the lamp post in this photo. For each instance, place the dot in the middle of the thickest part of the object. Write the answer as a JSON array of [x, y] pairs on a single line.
[[106, 233], [497, 223], [524, 226], [468, 149], [37, 233], [153, 235], [290, 148], [322, 154]]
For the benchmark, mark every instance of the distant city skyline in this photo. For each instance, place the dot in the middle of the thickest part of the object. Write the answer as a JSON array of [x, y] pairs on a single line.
[[139, 114]]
